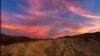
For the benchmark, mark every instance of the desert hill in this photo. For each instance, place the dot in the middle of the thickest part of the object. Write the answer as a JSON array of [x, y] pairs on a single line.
[[80, 45]]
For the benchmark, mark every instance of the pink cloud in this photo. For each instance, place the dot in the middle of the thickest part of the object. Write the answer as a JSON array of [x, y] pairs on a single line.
[[60, 26], [82, 12]]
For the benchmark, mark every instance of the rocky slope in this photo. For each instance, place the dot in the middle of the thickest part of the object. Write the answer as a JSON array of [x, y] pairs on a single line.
[[80, 45]]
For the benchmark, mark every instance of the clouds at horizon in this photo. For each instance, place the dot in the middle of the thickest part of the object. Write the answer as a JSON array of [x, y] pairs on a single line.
[[50, 18]]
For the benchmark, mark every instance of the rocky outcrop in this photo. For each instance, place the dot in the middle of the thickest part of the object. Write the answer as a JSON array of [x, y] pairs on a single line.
[[80, 45]]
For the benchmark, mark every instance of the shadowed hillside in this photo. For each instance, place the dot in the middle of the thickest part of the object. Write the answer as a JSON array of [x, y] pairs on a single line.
[[80, 45]]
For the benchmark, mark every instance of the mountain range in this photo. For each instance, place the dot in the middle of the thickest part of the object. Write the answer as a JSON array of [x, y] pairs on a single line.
[[87, 44]]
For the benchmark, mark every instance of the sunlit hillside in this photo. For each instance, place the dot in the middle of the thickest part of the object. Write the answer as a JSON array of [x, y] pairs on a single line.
[[80, 45]]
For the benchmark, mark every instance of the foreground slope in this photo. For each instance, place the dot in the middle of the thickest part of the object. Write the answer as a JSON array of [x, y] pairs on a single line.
[[80, 45]]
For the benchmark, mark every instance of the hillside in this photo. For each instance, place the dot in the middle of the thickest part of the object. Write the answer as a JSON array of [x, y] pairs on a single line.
[[80, 45]]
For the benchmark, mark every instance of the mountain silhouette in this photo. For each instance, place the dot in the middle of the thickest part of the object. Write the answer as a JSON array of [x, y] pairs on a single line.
[[87, 44]]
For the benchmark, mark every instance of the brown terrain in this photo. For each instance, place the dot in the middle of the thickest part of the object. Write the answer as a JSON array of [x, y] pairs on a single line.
[[80, 45]]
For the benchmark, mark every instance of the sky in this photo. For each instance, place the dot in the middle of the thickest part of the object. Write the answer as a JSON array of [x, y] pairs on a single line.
[[49, 18]]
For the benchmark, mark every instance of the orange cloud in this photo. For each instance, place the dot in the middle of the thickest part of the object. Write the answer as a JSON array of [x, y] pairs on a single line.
[[60, 26], [31, 30]]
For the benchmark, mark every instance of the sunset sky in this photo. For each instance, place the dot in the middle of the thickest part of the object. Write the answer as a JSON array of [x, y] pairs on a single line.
[[49, 18]]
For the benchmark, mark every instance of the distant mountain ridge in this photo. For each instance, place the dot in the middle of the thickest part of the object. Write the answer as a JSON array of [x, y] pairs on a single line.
[[87, 44]]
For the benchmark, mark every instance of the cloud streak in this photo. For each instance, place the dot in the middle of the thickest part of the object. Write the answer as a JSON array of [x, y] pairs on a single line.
[[43, 19], [81, 12]]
